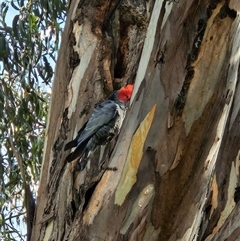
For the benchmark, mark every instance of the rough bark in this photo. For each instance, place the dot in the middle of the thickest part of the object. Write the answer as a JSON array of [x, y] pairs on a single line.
[[177, 155]]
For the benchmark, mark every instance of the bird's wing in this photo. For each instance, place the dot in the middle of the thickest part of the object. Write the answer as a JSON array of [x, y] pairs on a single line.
[[74, 142], [101, 115]]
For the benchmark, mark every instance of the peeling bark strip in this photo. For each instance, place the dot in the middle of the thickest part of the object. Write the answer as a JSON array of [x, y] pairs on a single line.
[[134, 158], [223, 11], [178, 183]]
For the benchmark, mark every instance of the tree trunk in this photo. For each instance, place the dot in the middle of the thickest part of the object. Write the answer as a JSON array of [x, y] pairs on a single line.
[[177, 155]]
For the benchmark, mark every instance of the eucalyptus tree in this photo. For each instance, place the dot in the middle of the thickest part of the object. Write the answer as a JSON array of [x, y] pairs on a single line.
[[177, 156]]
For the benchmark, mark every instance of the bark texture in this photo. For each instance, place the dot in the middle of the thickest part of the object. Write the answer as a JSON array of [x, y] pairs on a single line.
[[177, 155]]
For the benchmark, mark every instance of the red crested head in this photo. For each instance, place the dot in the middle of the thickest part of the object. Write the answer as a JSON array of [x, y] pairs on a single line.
[[125, 93]]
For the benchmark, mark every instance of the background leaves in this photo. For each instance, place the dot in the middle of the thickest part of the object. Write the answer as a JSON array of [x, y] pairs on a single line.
[[28, 50]]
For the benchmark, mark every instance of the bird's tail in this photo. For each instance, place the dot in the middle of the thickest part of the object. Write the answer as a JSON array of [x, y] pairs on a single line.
[[70, 145], [82, 159], [82, 152], [77, 153], [70, 157]]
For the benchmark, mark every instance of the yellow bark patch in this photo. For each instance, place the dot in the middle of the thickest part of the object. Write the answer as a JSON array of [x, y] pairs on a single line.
[[214, 195], [133, 159]]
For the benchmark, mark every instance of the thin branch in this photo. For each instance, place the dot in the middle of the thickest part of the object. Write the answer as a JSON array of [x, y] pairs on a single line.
[[15, 216], [18, 157]]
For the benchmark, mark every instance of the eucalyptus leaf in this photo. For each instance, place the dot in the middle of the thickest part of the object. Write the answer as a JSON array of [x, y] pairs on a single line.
[[14, 5]]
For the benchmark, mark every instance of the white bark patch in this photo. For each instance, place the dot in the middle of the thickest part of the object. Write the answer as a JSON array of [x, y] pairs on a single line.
[[73, 15], [84, 37], [85, 46], [168, 9], [48, 231], [148, 46], [237, 164]]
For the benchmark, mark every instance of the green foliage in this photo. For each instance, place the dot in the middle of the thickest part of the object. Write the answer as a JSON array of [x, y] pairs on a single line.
[[28, 50]]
